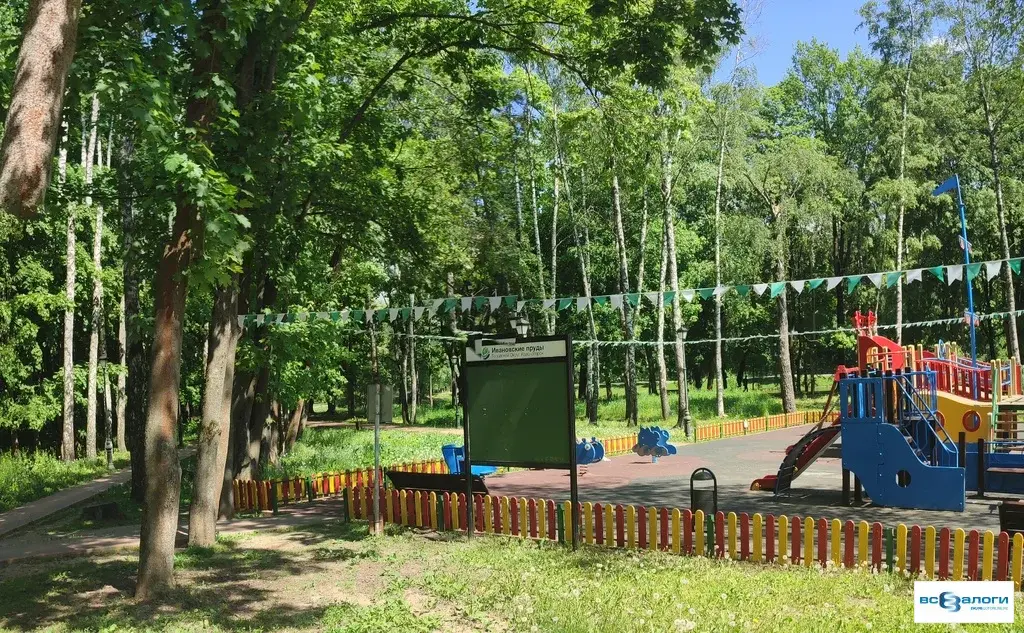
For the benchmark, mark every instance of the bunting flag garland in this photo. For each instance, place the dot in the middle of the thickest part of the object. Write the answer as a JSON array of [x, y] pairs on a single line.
[[436, 307]]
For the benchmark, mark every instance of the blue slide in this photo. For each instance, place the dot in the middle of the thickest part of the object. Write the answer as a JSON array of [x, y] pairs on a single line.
[[893, 474]]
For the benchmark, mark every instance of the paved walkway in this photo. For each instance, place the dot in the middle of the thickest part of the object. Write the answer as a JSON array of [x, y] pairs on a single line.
[[39, 509], [35, 546]]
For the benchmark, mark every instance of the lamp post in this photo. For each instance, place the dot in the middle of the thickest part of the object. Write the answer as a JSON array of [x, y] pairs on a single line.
[[520, 325], [686, 388], [108, 443]]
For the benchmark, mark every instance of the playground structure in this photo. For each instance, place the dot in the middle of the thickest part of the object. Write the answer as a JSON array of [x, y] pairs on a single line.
[[455, 459], [919, 427], [589, 451], [653, 442]]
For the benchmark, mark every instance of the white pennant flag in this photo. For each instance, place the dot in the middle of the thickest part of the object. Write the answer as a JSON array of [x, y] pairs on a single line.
[[261, 319], [519, 306], [466, 302], [616, 301], [367, 316], [992, 269], [875, 278], [418, 312], [344, 316], [435, 304], [759, 289], [323, 316], [914, 275], [392, 314], [721, 290], [953, 273], [798, 285], [302, 316], [549, 303], [832, 282], [687, 295], [653, 297], [495, 303], [241, 320], [582, 303], [279, 318]]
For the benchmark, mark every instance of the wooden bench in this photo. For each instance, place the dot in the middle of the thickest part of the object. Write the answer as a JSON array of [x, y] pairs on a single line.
[[103, 511], [1005, 470], [1011, 517], [434, 482]]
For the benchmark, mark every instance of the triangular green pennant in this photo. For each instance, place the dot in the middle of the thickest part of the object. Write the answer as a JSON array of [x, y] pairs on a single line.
[[668, 297], [509, 301], [564, 303], [602, 300], [449, 304], [1015, 265], [381, 315], [777, 288], [743, 290], [939, 272], [250, 319], [814, 283], [479, 303], [404, 313], [851, 282], [973, 270], [359, 316], [891, 279], [633, 298], [335, 316], [706, 293]]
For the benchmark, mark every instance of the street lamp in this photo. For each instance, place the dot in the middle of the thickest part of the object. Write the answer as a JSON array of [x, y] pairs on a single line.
[[520, 325], [108, 443], [686, 388]]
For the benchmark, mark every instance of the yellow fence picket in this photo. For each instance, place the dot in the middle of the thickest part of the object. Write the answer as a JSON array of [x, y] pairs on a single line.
[[676, 521], [758, 535], [732, 535], [988, 553], [698, 533], [901, 548], [837, 533], [958, 554], [588, 525], [929, 552], [808, 541], [630, 527], [783, 539], [862, 543]]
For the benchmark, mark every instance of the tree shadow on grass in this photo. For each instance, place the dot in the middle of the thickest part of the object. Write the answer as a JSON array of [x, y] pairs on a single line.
[[212, 587]]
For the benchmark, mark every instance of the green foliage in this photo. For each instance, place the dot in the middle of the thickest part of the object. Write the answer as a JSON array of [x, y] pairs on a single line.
[[30, 477]]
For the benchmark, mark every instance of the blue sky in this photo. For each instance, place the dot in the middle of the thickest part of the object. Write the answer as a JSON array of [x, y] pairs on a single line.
[[783, 23]]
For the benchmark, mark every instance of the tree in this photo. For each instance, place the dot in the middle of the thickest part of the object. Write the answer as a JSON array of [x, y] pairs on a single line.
[[33, 117]]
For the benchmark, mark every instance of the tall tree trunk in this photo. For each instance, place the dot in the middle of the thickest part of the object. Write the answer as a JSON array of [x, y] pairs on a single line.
[[682, 412], [592, 379], [719, 383], [135, 354], [211, 446], [163, 470], [627, 309], [413, 384], [68, 435], [226, 450], [785, 364], [294, 421], [30, 130], [533, 196], [641, 265], [122, 397], [1012, 343], [554, 254], [97, 289], [453, 349], [662, 369], [905, 98], [108, 413]]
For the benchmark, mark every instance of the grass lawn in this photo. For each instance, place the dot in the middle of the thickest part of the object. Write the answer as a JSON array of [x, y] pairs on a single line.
[[334, 577], [30, 477]]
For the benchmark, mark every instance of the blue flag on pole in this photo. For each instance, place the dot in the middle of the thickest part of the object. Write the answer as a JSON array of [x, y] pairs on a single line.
[[946, 186]]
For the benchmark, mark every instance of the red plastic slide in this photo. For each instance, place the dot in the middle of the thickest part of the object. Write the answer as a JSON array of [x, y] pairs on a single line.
[[810, 453]]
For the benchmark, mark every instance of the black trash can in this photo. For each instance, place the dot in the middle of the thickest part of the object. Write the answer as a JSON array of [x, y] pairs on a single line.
[[704, 492]]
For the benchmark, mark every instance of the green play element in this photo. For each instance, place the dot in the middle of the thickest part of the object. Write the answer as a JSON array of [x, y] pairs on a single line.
[[519, 413]]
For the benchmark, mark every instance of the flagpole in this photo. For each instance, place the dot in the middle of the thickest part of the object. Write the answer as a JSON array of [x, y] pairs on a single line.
[[950, 183]]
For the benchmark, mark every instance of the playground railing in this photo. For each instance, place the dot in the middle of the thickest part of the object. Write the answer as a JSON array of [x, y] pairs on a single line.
[[919, 406], [919, 551]]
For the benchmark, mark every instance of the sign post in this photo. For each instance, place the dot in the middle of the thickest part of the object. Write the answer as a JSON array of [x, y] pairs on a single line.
[[519, 409]]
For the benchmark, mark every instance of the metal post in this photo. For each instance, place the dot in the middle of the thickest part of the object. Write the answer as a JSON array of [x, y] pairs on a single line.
[[981, 468], [378, 526], [967, 281], [846, 487], [858, 498], [961, 450]]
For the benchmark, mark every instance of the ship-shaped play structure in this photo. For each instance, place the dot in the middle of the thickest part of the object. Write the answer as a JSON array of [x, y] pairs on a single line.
[[919, 427]]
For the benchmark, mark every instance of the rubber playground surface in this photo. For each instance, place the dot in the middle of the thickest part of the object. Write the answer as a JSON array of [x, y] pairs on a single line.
[[736, 462]]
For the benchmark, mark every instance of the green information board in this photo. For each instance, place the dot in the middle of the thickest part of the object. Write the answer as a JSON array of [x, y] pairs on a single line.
[[519, 409]]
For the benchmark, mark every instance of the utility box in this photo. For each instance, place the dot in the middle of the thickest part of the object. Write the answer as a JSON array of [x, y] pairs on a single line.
[[387, 403]]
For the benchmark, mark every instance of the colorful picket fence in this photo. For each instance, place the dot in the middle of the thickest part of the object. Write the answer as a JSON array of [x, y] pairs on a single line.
[[916, 551], [719, 430], [268, 495]]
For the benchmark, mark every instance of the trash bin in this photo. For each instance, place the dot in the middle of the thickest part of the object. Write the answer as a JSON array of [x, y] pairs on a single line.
[[704, 492]]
